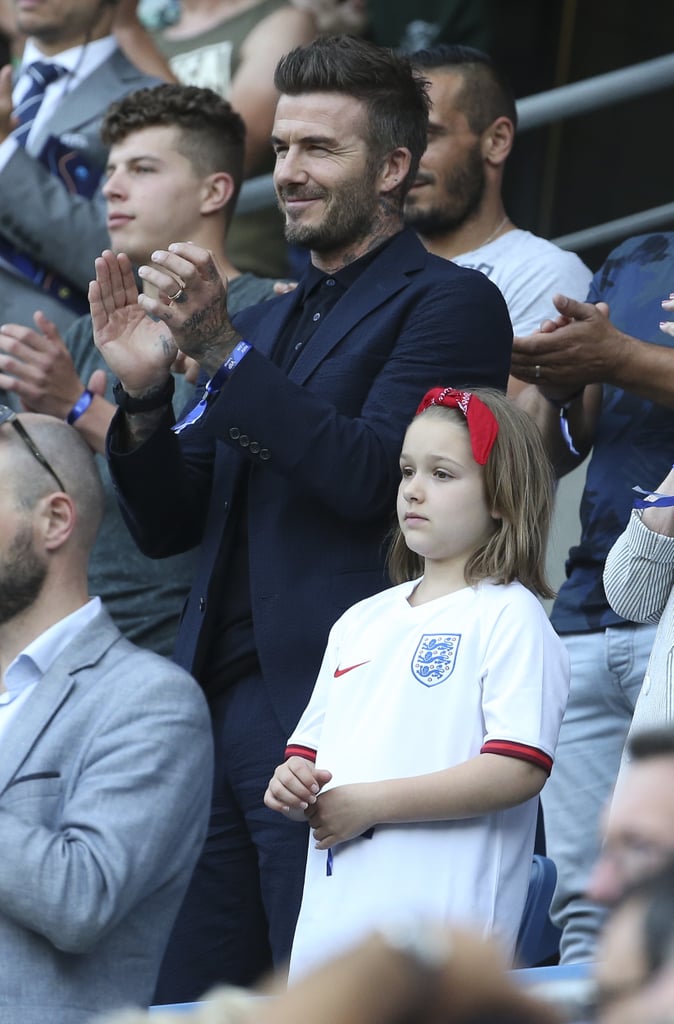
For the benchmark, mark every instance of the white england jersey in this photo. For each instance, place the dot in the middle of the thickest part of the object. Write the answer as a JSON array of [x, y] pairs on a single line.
[[406, 690]]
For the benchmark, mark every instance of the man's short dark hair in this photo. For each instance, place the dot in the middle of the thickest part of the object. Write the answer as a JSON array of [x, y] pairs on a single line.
[[647, 743], [394, 96], [211, 135], [485, 94]]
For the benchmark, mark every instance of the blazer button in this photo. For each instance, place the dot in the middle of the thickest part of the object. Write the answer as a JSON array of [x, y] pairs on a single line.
[[253, 448], [234, 433], [265, 454], [202, 604], [244, 440]]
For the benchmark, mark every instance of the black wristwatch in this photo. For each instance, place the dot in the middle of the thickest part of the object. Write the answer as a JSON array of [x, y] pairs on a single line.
[[155, 400]]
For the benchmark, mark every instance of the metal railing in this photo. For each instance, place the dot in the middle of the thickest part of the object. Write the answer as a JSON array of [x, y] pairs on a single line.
[[543, 108], [622, 227], [594, 93], [590, 95]]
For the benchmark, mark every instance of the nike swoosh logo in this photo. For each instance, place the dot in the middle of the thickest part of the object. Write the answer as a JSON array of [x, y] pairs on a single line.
[[341, 671]]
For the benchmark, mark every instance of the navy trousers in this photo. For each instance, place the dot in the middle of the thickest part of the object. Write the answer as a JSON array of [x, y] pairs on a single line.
[[240, 911]]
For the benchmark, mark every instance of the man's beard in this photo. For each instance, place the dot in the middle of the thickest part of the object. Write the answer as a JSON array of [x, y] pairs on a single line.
[[349, 215], [22, 576], [463, 193]]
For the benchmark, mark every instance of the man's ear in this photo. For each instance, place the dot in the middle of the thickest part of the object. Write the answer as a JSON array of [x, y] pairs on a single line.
[[497, 141], [394, 169], [216, 191], [57, 518]]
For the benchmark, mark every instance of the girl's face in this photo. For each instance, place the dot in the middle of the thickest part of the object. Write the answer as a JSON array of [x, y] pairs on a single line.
[[442, 509]]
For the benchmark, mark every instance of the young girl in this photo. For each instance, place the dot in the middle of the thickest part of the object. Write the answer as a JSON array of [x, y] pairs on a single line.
[[434, 718]]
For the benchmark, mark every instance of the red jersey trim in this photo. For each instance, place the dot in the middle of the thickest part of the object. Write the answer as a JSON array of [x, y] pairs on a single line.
[[297, 750], [519, 750]]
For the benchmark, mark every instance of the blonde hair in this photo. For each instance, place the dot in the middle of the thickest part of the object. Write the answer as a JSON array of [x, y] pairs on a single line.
[[518, 487]]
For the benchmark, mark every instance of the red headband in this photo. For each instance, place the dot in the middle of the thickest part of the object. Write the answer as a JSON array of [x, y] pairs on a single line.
[[482, 424]]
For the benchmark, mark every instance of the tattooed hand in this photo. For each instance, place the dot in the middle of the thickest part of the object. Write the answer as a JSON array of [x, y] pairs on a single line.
[[197, 315], [137, 349]]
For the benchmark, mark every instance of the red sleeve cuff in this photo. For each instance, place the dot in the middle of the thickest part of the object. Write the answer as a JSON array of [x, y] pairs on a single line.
[[519, 750], [297, 750]]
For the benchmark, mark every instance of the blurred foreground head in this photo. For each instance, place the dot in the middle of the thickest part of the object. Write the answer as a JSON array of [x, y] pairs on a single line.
[[635, 971], [420, 976], [638, 827]]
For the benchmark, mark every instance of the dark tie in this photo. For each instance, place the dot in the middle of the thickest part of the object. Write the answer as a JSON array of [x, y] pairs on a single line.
[[41, 74]]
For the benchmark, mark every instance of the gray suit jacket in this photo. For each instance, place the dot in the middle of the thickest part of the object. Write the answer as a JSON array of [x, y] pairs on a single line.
[[104, 796], [58, 228]]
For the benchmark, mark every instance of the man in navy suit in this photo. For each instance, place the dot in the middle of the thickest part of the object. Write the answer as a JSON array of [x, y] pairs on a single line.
[[287, 471]]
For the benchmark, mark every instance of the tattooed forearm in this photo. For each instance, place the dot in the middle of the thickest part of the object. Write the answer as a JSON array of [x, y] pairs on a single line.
[[207, 335]]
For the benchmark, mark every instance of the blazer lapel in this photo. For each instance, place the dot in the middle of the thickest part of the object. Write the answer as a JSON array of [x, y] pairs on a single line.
[[51, 693], [89, 98], [385, 276]]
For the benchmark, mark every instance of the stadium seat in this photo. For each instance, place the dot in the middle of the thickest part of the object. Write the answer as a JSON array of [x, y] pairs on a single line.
[[538, 938]]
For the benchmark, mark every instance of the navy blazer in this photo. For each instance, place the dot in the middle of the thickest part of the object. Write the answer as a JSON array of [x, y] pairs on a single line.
[[318, 451]]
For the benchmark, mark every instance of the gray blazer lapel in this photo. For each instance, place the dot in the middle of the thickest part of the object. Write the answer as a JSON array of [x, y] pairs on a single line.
[[90, 98], [52, 691], [382, 279]]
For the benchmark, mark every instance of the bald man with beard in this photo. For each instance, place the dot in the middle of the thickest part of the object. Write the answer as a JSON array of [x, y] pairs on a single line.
[[106, 754]]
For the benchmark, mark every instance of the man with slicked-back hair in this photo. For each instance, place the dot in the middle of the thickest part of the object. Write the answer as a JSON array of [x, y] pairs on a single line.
[[286, 473]]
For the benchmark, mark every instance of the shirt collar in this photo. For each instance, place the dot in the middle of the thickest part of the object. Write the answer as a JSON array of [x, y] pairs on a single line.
[[348, 274], [80, 61], [31, 664]]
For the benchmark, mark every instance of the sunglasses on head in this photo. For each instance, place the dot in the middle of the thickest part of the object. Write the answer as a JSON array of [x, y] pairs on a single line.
[[8, 415]]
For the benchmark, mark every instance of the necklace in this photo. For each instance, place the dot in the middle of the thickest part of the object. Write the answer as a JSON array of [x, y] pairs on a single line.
[[493, 235]]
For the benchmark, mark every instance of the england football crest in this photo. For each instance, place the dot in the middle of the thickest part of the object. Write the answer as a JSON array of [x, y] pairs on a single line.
[[435, 657]]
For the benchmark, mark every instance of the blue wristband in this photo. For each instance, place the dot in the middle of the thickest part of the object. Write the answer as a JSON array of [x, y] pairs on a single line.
[[214, 386], [652, 499], [230, 364], [80, 406]]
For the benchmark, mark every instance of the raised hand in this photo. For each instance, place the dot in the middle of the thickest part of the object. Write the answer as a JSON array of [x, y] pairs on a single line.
[[576, 349], [192, 302], [37, 366], [138, 349]]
